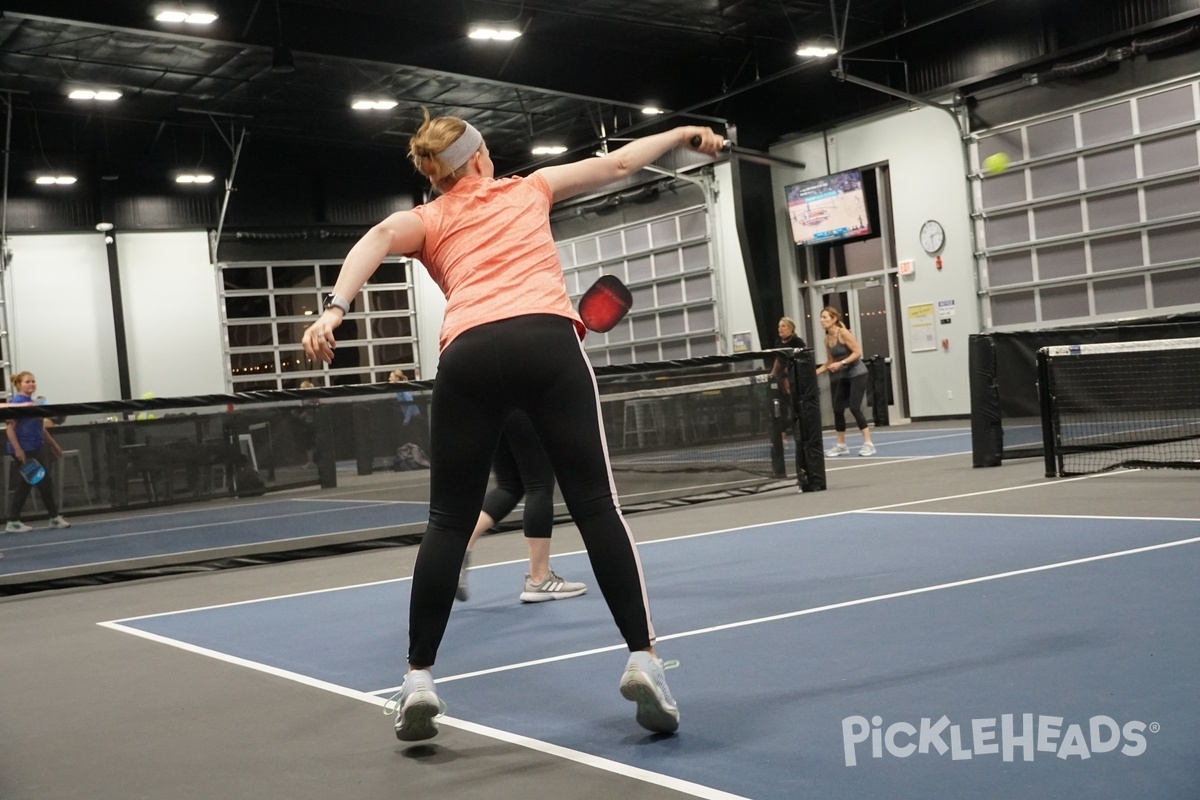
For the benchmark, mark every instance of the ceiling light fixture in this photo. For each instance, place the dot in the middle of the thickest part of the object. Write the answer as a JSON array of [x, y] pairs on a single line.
[[493, 31], [821, 47], [102, 95], [200, 178], [52, 180], [177, 15], [652, 111], [549, 150], [364, 104]]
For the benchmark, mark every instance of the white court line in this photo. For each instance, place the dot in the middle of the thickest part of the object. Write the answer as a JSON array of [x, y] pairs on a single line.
[[365, 502], [177, 528], [567, 754], [1026, 516], [662, 541], [820, 609], [901, 438]]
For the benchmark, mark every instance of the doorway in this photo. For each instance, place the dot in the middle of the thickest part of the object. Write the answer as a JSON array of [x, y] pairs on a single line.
[[867, 305]]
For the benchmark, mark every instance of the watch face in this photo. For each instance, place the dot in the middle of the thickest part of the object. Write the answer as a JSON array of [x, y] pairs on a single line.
[[932, 236]]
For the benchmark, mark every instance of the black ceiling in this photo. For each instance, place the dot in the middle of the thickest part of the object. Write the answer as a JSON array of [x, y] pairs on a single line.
[[580, 73]]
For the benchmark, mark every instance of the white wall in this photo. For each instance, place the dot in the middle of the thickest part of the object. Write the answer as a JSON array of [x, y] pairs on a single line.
[[59, 311], [732, 284], [429, 304], [172, 321], [924, 153]]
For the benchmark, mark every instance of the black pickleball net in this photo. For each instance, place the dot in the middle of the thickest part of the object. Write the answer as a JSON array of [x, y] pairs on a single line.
[[1121, 405]]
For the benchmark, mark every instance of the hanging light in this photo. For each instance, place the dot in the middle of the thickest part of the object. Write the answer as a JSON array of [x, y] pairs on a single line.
[[493, 31], [821, 47]]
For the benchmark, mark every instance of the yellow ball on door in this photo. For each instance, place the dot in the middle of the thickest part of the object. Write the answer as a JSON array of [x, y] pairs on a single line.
[[995, 163]]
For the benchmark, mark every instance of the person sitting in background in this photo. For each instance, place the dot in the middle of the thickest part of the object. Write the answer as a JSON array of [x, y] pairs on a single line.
[[28, 439]]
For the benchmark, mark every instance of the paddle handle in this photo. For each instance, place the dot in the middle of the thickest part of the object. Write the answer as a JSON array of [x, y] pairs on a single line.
[[725, 144]]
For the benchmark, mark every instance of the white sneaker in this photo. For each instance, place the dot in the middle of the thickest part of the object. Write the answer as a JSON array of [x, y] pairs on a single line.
[[552, 588], [417, 707], [645, 684], [59, 522], [17, 527], [837, 450], [867, 449]]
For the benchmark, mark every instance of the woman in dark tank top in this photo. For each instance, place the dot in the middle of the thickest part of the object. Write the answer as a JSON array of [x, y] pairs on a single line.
[[847, 381]]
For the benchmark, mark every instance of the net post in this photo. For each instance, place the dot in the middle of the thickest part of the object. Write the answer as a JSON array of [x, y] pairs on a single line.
[[325, 443], [987, 433], [806, 413], [1046, 404], [879, 370], [364, 455]]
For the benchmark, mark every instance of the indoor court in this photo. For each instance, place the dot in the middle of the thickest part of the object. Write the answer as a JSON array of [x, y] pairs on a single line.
[[830, 645], [889, 313]]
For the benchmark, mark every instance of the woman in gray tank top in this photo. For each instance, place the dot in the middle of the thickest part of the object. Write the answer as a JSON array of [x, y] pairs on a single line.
[[847, 381]]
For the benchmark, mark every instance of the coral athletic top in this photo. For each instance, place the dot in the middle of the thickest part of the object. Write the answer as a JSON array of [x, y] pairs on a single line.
[[489, 249]]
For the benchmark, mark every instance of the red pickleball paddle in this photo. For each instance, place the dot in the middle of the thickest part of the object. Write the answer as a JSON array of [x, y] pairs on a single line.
[[604, 304]]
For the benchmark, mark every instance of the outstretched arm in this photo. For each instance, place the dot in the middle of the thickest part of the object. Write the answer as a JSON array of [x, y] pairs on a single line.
[[402, 232], [568, 180]]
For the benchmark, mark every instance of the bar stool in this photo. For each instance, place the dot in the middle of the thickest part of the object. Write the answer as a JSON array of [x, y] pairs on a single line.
[[643, 417], [75, 458], [58, 470]]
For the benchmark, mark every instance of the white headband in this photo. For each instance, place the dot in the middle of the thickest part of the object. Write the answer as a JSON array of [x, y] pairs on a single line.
[[461, 149]]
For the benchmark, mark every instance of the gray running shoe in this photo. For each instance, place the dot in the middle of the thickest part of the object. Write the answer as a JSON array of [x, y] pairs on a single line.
[[867, 449], [417, 707], [553, 588], [645, 684], [17, 527], [837, 450]]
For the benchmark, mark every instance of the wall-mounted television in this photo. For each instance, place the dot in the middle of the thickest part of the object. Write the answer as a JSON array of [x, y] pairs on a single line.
[[830, 208]]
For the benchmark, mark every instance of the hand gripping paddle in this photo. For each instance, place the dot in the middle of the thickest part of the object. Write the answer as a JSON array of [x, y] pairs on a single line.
[[604, 304], [755, 156]]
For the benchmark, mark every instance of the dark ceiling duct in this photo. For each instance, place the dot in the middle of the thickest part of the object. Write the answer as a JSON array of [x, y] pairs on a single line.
[[1166, 41], [1141, 46]]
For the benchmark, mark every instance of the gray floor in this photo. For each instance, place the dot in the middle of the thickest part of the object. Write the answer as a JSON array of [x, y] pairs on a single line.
[[90, 713]]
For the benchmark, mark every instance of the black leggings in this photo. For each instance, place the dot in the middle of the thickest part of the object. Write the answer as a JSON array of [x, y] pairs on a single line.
[[534, 363], [21, 489], [522, 470], [848, 393]]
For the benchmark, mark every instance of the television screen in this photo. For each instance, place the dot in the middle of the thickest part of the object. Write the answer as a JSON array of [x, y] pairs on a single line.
[[828, 209]]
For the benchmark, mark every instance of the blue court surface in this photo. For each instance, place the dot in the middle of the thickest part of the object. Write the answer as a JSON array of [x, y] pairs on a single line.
[[190, 534], [198, 532], [842, 656]]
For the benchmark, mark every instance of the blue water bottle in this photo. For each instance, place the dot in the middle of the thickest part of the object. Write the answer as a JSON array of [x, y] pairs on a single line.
[[33, 471]]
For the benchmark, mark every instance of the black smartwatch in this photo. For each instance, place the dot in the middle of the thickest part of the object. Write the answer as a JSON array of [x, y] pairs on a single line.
[[337, 301]]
